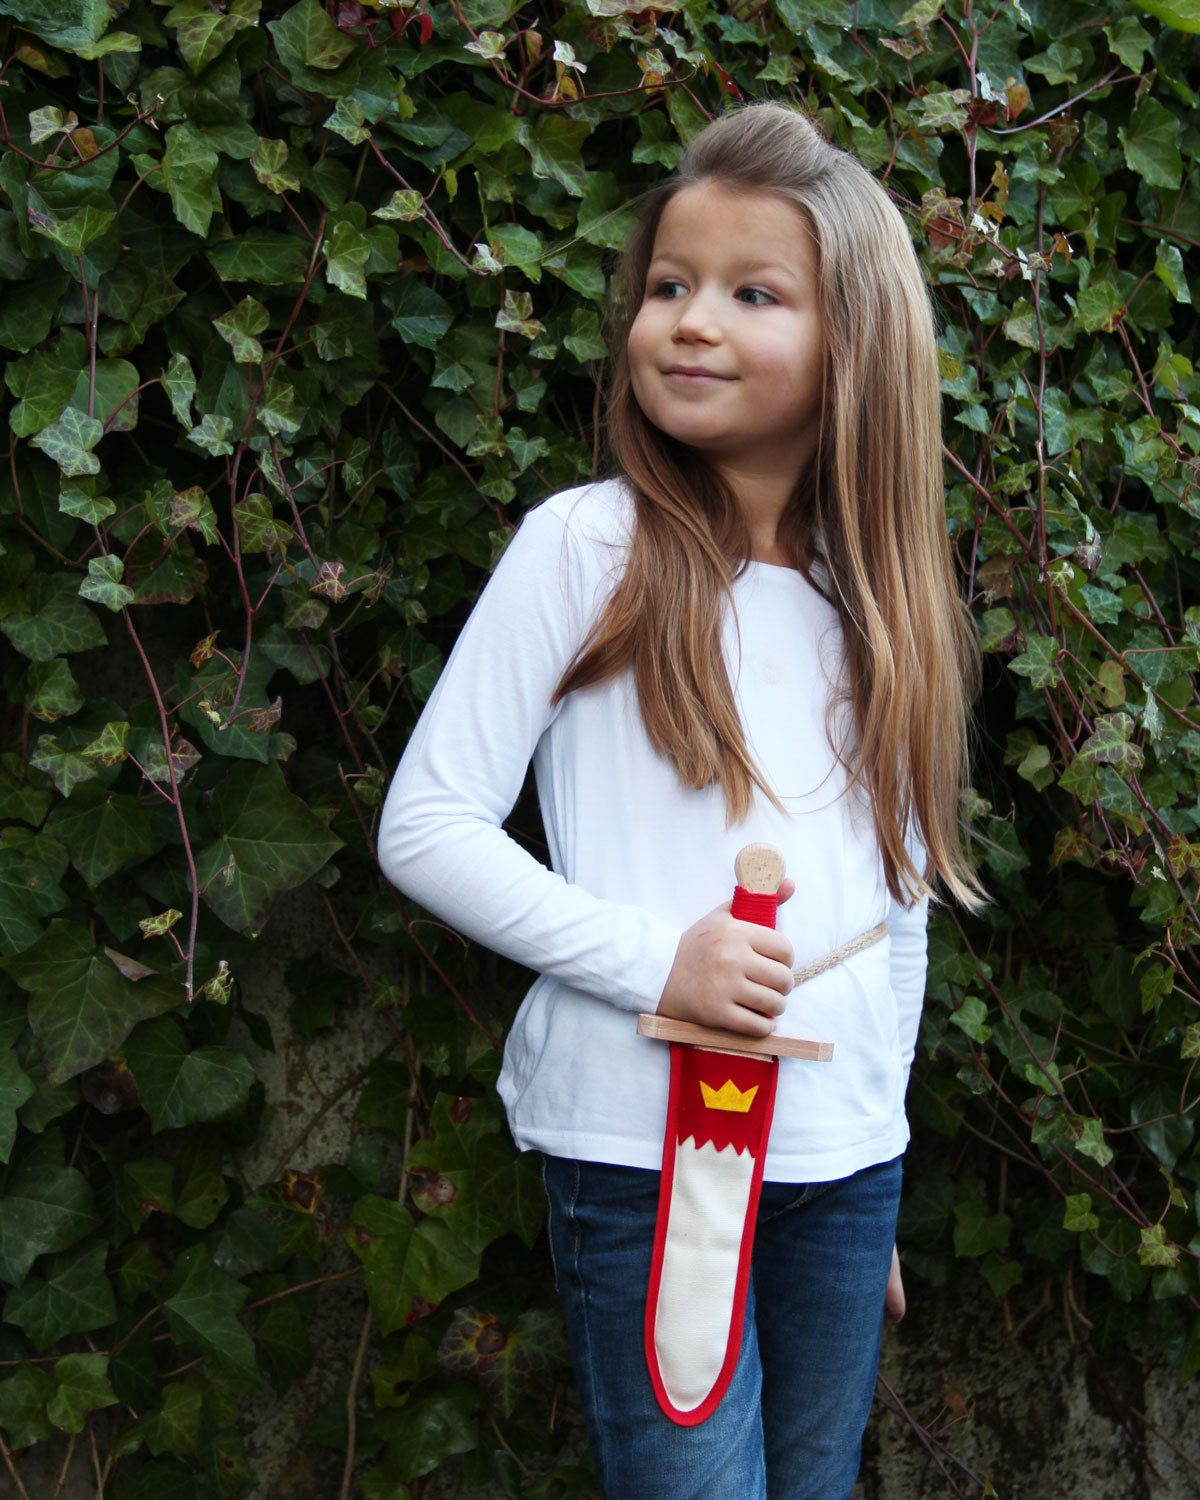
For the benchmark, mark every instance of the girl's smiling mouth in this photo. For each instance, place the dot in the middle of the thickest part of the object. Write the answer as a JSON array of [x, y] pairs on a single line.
[[695, 373]]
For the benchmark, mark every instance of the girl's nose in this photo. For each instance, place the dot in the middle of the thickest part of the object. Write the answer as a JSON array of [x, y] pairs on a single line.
[[697, 320]]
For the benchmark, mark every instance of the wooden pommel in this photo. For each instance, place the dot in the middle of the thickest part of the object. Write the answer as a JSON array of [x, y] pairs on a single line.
[[760, 869]]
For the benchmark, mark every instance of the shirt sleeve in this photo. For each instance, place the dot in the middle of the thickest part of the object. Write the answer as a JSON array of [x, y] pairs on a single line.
[[441, 839], [908, 933]]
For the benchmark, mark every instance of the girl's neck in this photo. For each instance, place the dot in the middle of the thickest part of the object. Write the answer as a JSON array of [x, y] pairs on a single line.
[[762, 499]]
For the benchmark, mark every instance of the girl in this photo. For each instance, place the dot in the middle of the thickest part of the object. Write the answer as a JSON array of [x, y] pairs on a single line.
[[751, 634]]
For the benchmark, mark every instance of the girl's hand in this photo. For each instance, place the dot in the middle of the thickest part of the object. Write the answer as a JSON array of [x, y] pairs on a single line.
[[894, 1304], [730, 974]]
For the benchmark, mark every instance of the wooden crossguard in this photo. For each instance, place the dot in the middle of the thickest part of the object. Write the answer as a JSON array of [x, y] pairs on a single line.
[[718, 1119]]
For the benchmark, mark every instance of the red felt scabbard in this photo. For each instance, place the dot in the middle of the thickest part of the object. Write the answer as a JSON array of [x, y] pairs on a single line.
[[717, 1099]]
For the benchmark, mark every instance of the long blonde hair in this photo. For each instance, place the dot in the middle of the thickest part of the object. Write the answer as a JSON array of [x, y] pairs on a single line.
[[873, 496]]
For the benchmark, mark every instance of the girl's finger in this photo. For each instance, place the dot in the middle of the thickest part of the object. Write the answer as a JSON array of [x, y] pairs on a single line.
[[763, 999]]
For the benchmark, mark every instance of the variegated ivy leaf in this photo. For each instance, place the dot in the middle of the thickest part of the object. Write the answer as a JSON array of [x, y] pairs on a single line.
[[349, 121], [239, 327], [179, 382], [564, 53], [204, 30], [278, 413], [66, 768], [192, 508], [109, 745], [405, 203], [75, 501], [516, 315], [48, 121], [69, 442], [213, 434], [103, 584], [488, 45], [270, 166], [158, 925], [347, 250]]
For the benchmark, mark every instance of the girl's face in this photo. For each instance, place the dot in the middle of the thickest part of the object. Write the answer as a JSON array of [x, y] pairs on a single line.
[[726, 352]]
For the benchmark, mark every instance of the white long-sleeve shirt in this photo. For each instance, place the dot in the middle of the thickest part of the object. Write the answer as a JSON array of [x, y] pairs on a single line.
[[636, 857]]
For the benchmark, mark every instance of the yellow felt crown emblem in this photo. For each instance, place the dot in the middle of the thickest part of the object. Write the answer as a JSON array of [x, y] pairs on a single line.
[[728, 1097]]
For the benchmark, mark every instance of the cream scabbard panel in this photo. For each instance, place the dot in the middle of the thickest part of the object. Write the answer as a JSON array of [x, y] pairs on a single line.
[[699, 1269]]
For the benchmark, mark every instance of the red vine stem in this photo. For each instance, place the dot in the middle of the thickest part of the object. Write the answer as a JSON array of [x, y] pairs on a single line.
[[176, 799]]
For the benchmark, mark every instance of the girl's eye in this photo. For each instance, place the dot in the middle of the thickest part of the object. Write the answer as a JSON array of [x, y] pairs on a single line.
[[667, 290], [754, 296]]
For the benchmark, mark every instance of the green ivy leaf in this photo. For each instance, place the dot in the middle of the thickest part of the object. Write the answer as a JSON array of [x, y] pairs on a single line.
[[1168, 267], [516, 315], [1151, 145], [468, 1175], [71, 1294], [239, 327], [29, 891], [348, 120], [970, 1017], [422, 1435], [202, 33], [103, 832], [179, 381], [585, 340], [1156, 1249], [1077, 1213], [77, 231], [409, 1267], [175, 1426], [262, 255], [55, 622], [976, 1231], [202, 1313], [281, 1339], [189, 170], [555, 147], [25, 320], [214, 434], [52, 691], [503, 1361], [103, 584], [347, 251], [43, 382], [82, 1007], [258, 530], [269, 164], [1038, 661], [74, 500], [66, 768], [278, 412], [1109, 745], [306, 34], [1129, 40], [1088, 1138], [69, 442], [44, 1208], [15, 1087], [23, 1401], [1183, 15], [270, 839], [178, 1086], [514, 245]]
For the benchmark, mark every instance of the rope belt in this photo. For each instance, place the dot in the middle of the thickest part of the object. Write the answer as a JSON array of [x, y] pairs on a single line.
[[840, 954]]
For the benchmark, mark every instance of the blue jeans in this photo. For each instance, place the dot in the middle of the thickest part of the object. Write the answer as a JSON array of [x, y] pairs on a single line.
[[790, 1426]]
